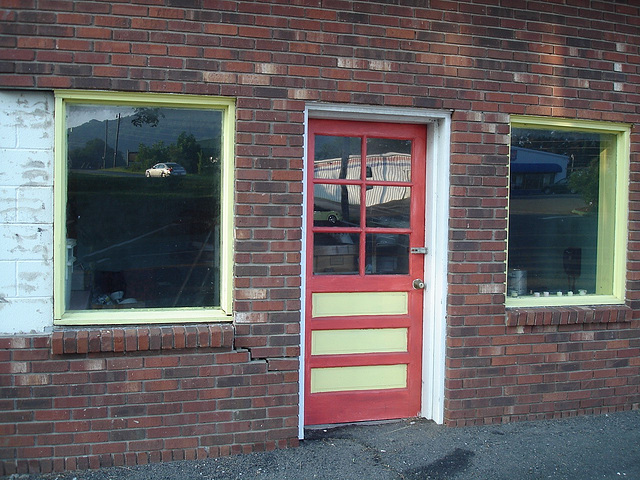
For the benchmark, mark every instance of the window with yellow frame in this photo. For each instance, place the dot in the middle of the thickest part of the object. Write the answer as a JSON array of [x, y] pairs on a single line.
[[568, 197], [143, 208]]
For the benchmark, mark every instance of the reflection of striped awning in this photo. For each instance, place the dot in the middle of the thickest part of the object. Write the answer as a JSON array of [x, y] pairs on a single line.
[[535, 168]]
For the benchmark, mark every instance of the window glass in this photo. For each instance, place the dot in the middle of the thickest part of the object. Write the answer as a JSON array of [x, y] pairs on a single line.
[[388, 207], [342, 184], [562, 212], [337, 157], [336, 253], [336, 205], [389, 159], [387, 254], [143, 206]]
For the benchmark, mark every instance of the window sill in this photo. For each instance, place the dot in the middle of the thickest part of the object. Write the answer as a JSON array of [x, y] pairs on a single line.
[[529, 301], [134, 316], [567, 314], [136, 338]]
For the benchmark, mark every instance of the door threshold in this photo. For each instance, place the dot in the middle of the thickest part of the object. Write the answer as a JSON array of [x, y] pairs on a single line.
[[318, 430]]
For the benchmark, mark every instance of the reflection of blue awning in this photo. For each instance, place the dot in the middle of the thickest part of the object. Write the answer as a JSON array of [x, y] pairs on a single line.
[[535, 168]]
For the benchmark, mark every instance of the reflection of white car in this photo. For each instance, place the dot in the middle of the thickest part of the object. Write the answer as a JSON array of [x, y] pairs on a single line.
[[165, 170]]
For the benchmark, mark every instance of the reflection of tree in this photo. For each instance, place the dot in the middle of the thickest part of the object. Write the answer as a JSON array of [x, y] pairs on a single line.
[[146, 115], [582, 148], [90, 155], [381, 146], [586, 182], [189, 150], [149, 155], [332, 147], [186, 151]]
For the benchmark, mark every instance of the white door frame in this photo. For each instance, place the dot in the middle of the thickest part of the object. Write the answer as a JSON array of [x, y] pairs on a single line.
[[438, 124]]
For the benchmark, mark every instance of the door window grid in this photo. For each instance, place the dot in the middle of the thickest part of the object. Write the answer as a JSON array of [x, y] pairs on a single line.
[[361, 209]]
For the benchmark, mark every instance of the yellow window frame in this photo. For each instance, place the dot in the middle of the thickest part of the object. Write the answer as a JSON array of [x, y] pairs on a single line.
[[612, 230], [143, 316]]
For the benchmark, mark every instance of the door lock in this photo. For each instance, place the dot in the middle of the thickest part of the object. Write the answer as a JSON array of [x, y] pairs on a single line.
[[418, 284]]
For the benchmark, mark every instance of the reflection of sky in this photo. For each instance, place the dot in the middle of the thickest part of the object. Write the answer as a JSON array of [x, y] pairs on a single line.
[[82, 114], [87, 122]]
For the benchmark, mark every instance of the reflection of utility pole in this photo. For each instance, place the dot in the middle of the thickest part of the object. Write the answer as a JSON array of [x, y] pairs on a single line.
[[115, 151], [106, 134], [573, 159], [344, 165]]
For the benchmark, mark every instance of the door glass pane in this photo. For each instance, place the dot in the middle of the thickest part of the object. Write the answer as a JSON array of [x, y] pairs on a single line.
[[337, 157], [388, 206], [389, 159], [336, 205], [387, 254], [336, 253]]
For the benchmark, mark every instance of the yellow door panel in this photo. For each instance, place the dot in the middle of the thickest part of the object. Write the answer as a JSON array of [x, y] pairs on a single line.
[[379, 340], [372, 377], [359, 303]]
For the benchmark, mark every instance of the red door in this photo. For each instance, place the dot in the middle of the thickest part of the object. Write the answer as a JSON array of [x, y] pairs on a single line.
[[365, 227]]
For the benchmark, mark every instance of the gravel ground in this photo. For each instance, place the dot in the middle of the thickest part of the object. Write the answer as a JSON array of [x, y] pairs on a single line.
[[580, 448]]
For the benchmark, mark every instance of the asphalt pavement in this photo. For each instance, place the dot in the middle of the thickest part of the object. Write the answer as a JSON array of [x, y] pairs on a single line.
[[578, 448]]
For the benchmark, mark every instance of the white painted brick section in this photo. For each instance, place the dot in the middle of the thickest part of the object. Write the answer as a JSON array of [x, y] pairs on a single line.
[[32, 282], [8, 203], [35, 205], [8, 280], [22, 167], [27, 242], [26, 211], [30, 116], [26, 315]]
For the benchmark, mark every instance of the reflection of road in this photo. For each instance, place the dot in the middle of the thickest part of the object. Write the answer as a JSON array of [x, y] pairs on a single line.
[[110, 173], [545, 204], [135, 239]]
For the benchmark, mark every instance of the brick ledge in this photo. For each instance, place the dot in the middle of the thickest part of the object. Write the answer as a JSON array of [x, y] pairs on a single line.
[[141, 338], [568, 315]]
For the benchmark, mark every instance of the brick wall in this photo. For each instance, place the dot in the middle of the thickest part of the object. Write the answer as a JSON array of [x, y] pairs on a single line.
[[479, 60], [129, 396], [498, 373]]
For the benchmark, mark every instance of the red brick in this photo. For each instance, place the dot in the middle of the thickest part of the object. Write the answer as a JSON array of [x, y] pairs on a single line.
[[106, 340]]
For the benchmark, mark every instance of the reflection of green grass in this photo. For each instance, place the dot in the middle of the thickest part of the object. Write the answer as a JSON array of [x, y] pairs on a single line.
[[107, 209], [119, 170], [187, 186]]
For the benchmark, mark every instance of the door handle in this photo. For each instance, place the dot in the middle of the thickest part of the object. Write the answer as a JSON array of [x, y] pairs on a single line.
[[418, 284]]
